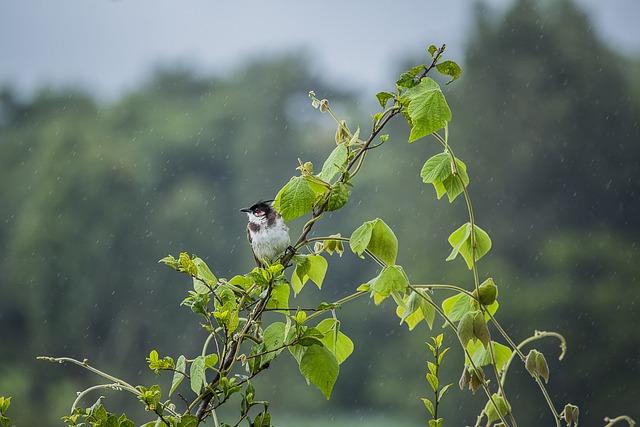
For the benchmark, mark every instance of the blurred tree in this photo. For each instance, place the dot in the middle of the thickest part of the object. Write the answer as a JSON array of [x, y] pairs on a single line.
[[550, 121]]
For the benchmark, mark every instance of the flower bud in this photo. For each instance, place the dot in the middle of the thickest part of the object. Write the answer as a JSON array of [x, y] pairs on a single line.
[[570, 415], [473, 326], [536, 365], [487, 292]]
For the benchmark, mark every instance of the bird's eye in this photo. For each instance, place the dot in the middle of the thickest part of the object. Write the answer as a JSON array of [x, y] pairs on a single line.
[[258, 212]]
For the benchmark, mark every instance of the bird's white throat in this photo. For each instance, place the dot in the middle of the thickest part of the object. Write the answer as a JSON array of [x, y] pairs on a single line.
[[268, 241]]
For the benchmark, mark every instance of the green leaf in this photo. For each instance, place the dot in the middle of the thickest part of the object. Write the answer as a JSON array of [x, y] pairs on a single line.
[[188, 421], [436, 169], [449, 68], [5, 402], [178, 377], [407, 79], [465, 328], [334, 163], [457, 239], [383, 98], [312, 267], [295, 199], [210, 360], [200, 287], [279, 296], [243, 282], [427, 404], [273, 339], [156, 364], [433, 381], [204, 273], [457, 306], [460, 241], [339, 196], [432, 367], [320, 367], [360, 238], [438, 172], [377, 237], [334, 340], [197, 375], [454, 184], [472, 326], [415, 309], [331, 245], [493, 413], [442, 391], [480, 329], [263, 419], [170, 261], [427, 108], [481, 356], [226, 309], [391, 279], [432, 50]]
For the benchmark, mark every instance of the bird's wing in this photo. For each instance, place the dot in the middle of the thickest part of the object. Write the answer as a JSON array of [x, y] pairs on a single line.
[[258, 262]]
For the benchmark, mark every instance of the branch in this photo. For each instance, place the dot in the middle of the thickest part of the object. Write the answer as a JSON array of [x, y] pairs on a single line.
[[231, 355]]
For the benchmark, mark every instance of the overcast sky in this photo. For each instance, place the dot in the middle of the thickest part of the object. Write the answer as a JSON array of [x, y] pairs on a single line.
[[108, 46]]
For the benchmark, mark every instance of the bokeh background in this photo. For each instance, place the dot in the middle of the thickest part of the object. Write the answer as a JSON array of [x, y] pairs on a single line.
[[133, 129]]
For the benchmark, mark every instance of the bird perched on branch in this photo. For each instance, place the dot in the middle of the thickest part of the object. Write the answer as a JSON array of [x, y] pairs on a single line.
[[267, 232]]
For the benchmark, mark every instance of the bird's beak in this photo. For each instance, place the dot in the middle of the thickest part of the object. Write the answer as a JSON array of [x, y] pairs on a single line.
[[245, 210]]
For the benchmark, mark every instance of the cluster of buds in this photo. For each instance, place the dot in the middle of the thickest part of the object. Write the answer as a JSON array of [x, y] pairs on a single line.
[[321, 104]]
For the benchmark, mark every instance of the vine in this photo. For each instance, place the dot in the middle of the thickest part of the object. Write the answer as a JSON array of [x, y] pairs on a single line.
[[231, 310]]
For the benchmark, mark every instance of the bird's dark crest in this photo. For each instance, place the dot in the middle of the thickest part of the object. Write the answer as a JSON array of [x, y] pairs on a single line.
[[264, 205]]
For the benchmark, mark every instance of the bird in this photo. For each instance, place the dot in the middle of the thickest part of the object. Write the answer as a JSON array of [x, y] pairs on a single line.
[[267, 232]]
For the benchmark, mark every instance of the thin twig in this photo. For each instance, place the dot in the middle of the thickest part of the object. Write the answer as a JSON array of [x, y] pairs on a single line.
[[611, 421]]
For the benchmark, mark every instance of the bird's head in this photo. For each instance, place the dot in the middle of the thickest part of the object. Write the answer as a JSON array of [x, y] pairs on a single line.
[[259, 212]]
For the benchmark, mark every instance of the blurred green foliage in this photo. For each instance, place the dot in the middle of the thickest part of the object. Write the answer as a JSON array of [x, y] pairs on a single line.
[[92, 195]]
